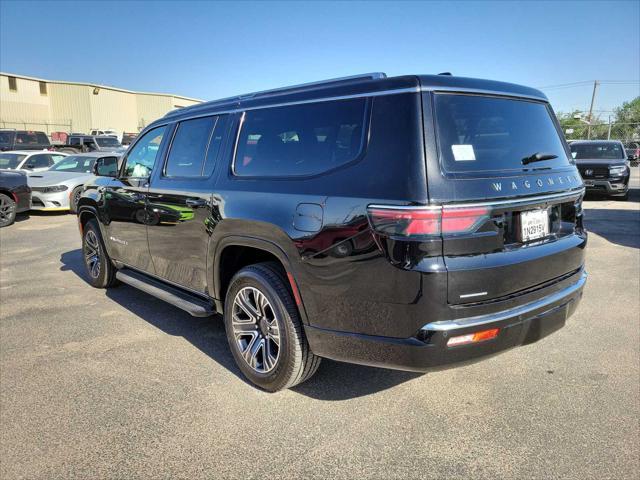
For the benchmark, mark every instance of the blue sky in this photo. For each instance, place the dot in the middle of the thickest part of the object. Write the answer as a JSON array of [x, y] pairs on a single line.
[[210, 50]]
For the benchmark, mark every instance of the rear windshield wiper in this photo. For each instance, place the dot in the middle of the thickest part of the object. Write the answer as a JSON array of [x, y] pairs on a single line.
[[538, 157]]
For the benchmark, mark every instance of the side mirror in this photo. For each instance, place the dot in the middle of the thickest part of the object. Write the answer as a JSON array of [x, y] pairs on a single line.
[[106, 167], [30, 166]]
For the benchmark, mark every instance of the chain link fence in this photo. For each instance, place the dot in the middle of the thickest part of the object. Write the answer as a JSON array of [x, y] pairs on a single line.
[[46, 127], [625, 132]]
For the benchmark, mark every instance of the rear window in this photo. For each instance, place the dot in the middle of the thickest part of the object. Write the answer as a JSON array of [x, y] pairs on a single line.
[[300, 139], [480, 133], [27, 138], [597, 151]]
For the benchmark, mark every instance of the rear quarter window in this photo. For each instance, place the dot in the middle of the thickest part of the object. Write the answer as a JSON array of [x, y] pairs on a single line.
[[300, 140], [481, 133]]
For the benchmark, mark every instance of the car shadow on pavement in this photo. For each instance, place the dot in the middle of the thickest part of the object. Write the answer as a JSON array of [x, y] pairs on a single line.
[[333, 381], [619, 226]]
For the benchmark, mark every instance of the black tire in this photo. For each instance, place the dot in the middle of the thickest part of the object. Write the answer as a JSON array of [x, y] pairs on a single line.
[[100, 270], [295, 363], [7, 210], [76, 193]]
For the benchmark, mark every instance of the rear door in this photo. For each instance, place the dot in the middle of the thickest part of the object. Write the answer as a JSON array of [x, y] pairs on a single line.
[[511, 196], [179, 208]]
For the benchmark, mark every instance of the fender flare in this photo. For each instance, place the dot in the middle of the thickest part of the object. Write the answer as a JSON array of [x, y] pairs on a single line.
[[261, 244]]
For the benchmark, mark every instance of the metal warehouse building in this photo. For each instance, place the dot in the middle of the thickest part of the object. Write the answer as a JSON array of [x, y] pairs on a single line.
[[28, 103]]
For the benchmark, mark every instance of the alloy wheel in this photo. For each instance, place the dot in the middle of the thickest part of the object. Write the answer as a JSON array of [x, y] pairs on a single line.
[[256, 330], [92, 253], [6, 209]]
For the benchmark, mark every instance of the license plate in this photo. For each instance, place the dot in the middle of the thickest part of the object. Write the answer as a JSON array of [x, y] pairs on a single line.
[[588, 183], [534, 224]]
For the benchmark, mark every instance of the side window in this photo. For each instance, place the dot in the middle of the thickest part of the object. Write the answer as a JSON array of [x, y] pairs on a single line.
[[189, 147], [40, 161], [215, 144], [74, 141], [300, 139], [42, 139], [142, 157]]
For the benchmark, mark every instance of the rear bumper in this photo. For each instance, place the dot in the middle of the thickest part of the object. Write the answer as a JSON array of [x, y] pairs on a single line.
[[519, 325]]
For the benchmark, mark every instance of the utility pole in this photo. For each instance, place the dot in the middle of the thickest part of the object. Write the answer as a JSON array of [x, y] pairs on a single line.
[[593, 99], [609, 131]]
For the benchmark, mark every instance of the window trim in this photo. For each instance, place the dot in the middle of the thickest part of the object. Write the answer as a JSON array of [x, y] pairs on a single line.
[[364, 144], [176, 127]]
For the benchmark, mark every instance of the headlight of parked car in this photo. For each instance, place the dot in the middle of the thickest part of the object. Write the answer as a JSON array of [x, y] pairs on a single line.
[[617, 171], [51, 189]]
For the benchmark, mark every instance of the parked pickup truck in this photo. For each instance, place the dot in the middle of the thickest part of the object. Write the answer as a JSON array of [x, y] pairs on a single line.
[[90, 143], [23, 140]]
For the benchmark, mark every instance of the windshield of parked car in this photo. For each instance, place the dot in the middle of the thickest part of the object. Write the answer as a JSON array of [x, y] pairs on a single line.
[[10, 160], [597, 151], [74, 163], [108, 142], [6, 138], [479, 133]]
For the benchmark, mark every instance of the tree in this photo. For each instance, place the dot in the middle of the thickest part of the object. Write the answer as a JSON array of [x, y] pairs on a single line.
[[627, 118], [574, 128]]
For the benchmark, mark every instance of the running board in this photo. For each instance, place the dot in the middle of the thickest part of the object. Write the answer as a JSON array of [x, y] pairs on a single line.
[[188, 302]]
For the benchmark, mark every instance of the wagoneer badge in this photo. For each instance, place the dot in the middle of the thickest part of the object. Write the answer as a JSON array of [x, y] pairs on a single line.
[[560, 179]]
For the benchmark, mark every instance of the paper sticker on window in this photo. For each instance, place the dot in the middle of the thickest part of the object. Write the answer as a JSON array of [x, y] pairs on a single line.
[[463, 153]]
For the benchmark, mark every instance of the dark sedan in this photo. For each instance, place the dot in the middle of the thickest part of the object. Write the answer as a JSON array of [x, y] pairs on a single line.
[[15, 195]]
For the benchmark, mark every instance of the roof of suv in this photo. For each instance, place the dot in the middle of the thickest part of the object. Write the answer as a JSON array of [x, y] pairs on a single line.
[[359, 85]]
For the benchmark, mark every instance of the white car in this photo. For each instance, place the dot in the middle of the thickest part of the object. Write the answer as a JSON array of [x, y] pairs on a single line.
[[30, 160], [109, 132]]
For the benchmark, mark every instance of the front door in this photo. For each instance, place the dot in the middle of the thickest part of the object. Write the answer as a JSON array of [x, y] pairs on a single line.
[[179, 204], [125, 202]]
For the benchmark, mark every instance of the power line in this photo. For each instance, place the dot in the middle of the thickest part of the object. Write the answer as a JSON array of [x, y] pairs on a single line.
[[590, 82]]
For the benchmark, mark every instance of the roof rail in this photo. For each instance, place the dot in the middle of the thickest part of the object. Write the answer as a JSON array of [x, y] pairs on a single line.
[[282, 90], [331, 81]]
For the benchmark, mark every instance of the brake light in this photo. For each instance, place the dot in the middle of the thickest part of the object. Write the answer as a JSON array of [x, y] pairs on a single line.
[[473, 337], [409, 221]]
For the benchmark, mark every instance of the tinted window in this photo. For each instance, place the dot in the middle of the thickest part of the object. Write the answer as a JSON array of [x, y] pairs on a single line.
[[108, 142], [142, 156], [10, 160], [6, 138], [597, 150], [301, 139], [26, 139], [40, 161], [74, 163], [74, 141], [189, 147], [215, 144], [42, 138], [477, 133]]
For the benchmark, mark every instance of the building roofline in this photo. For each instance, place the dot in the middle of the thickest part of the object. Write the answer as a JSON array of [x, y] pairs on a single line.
[[96, 85]]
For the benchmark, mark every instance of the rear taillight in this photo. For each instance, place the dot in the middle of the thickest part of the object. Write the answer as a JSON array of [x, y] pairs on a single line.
[[412, 221]]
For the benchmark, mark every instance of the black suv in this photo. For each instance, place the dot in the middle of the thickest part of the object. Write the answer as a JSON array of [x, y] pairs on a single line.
[[412, 222], [603, 166]]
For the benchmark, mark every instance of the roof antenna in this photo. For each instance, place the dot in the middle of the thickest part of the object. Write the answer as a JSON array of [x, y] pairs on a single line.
[[445, 73]]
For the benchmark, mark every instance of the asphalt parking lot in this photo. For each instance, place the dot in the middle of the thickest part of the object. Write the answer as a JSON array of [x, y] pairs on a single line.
[[117, 384]]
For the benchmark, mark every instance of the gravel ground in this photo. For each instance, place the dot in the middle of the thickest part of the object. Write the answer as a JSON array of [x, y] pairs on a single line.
[[116, 384]]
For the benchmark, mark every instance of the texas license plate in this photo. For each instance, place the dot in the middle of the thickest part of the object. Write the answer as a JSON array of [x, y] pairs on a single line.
[[534, 224]]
